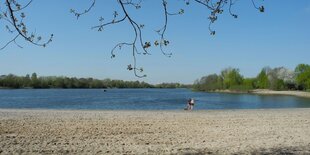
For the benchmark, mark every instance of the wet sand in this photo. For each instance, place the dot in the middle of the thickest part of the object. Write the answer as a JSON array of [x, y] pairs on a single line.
[[278, 131]]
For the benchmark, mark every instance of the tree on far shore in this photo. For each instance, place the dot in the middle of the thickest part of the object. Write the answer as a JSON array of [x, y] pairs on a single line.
[[278, 78], [303, 76], [262, 80]]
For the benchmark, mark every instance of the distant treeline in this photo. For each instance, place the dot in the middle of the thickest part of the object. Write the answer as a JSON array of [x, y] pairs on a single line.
[[275, 79], [33, 81]]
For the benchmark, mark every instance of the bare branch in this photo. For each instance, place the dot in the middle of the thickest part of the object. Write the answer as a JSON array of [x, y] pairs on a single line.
[[17, 26], [14, 18], [8, 43], [78, 14], [215, 6], [19, 8]]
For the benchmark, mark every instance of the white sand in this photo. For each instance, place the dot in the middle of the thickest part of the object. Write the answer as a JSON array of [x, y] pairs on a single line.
[[267, 92], [272, 92], [155, 132]]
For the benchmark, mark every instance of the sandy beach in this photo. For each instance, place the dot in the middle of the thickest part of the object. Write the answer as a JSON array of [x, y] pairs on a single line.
[[278, 131], [267, 92], [272, 92]]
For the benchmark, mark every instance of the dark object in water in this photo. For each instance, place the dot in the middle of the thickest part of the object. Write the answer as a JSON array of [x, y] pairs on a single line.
[[104, 90]]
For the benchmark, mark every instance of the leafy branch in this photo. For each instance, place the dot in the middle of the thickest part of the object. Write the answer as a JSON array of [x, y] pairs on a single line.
[[11, 13], [15, 25], [215, 6]]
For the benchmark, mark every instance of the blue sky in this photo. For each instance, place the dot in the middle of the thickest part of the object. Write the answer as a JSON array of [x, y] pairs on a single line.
[[278, 37]]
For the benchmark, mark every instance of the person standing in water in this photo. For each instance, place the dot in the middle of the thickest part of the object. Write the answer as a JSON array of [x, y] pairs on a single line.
[[188, 106], [191, 103]]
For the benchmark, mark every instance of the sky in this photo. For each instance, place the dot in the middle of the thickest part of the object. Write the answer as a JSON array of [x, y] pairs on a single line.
[[278, 37]]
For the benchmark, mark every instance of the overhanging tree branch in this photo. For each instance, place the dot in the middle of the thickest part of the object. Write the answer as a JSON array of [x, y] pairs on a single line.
[[14, 19], [17, 26]]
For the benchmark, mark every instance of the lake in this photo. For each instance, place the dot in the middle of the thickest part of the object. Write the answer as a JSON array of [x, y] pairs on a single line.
[[140, 99]]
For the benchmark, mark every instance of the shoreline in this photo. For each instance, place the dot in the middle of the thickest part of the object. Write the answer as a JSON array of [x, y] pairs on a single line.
[[262, 131], [266, 92]]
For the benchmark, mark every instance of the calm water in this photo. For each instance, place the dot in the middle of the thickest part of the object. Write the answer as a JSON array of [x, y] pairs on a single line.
[[140, 99]]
